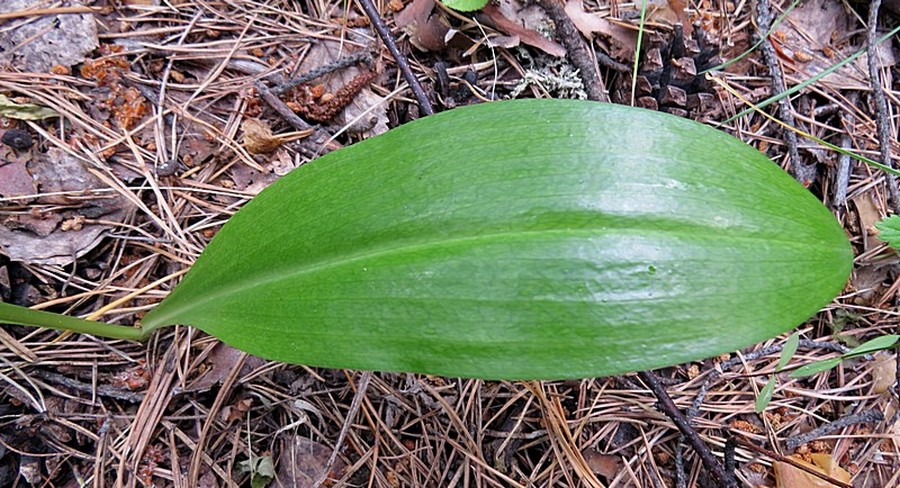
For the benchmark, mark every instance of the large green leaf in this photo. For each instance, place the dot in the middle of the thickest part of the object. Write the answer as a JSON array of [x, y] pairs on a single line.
[[519, 240]]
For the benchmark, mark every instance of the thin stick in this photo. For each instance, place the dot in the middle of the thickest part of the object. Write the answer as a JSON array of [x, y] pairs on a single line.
[[882, 118], [805, 174], [576, 49], [361, 388], [867, 417], [402, 63], [668, 407]]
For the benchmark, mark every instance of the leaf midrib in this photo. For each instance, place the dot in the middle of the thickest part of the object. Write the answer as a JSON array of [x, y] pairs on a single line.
[[171, 317]]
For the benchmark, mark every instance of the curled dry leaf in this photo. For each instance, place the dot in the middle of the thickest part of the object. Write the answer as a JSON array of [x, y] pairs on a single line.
[[258, 137], [37, 44], [426, 31], [301, 463], [527, 35], [622, 41]]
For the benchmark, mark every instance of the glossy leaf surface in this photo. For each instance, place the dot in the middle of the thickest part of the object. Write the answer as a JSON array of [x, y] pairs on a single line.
[[519, 240]]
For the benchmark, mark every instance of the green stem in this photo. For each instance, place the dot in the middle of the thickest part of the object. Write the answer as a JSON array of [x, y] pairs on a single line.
[[14, 314]]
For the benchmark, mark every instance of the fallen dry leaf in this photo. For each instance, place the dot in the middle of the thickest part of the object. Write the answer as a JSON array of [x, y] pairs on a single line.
[[220, 363], [605, 465], [301, 464], [787, 476], [622, 41], [884, 373], [528, 36], [37, 237], [426, 31], [37, 44]]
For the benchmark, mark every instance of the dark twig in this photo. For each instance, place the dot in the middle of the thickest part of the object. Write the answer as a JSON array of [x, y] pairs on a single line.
[[805, 174], [102, 390], [842, 178], [882, 119], [344, 62], [320, 138], [666, 404], [281, 108], [867, 417], [784, 459], [402, 63], [576, 49], [730, 459]]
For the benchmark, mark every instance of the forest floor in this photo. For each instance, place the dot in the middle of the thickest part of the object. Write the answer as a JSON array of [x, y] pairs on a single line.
[[133, 129]]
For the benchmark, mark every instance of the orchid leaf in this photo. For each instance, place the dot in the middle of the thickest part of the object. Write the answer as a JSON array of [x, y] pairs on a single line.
[[519, 240]]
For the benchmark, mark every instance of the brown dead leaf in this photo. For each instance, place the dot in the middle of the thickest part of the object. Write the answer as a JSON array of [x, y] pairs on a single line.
[[884, 373], [787, 476], [37, 44], [219, 363], [869, 215], [252, 181], [528, 36], [258, 137], [37, 237], [602, 464], [426, 31], [15, 180], [622, 41], [301, 463]]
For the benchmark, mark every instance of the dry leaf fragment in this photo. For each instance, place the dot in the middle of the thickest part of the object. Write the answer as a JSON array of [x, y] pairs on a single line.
[[528, 36], [787, 476], [258, 137], [24, 111], [426, 32], [301, 464], [36, 238], [623, 42], [884, 373]]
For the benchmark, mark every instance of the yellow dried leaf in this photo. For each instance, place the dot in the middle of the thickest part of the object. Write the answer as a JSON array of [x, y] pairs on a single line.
[[787, 476]]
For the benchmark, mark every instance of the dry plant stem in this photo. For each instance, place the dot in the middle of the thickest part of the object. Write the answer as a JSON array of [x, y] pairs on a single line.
[[867, 417], [577, 50], [402, 63], [666, 404], [361, 388], [102, 390], [805, 174], [842, 178], [281, 108], [882, 118], [784, 459]]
